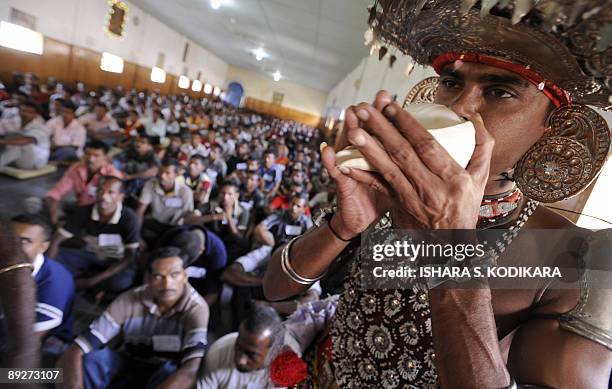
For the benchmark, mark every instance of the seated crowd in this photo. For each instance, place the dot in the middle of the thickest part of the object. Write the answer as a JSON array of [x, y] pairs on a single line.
[[165, 213]]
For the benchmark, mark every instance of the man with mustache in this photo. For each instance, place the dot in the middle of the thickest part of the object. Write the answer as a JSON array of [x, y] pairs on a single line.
[[110, 234], [516, 73], [163, 327]]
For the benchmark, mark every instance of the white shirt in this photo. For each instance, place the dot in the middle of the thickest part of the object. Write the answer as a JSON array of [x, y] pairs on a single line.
[[154, 128], [220, 371], [41, 148]]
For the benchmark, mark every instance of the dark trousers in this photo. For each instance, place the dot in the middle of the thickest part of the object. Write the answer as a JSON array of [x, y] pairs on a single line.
[[83, 263], [107, 368]]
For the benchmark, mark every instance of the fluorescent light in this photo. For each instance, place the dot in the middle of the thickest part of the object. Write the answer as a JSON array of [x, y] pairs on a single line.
[[215, 4], [183, 82], [341, 116], [277, 76], [217, 91], [208, 88], [158, 75], [20, 38], [196, 86], [111, 63], [260, 54]]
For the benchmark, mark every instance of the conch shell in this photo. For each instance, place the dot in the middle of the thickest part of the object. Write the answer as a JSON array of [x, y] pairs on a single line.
[[455, 134]]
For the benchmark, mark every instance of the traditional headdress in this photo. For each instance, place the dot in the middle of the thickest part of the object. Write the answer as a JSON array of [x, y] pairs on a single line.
[[561, 46]]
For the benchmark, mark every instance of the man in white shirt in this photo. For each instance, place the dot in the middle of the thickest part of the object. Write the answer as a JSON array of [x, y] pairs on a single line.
[[28, 148], [240, 360], [155, 126], [67, 134], [9, 118]]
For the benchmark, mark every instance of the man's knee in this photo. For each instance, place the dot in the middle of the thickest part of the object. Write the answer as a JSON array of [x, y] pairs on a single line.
[[122, 280]]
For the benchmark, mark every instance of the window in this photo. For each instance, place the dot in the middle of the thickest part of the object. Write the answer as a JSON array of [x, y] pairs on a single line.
[[20, 38], [111, 63], [183, 82], [196, 86], [158, 75], [277, 98]]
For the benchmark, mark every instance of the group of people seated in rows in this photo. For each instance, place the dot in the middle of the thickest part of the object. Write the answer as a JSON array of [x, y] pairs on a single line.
[[165, 204]]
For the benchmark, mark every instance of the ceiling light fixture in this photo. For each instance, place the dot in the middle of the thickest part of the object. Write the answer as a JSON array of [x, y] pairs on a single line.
[[183, 82], [111, 63], [277, 76], [217, 91], [208, 88], [158, 75], [20, 38], [260, 54], [215, 4], [196, 85]]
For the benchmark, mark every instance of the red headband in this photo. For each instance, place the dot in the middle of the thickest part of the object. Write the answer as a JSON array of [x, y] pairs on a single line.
[[557, 95]]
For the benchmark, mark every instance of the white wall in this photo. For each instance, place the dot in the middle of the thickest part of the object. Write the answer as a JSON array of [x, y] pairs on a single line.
[[370, 76], [81, 22], [261, 87]]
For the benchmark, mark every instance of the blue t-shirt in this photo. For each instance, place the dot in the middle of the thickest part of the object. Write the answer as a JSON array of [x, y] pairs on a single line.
[[55, 295], [271, 176], [213, 259]]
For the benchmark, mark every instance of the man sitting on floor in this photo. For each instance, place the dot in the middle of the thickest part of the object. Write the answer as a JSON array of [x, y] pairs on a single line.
[[82, 178], [197, 179], [227, 218], [245, 275], [240, 359], [54, 286], [139, 163], [170, 201], [67, 134], [100, 125], [111, 233], [206, 258], [163, 328], [29, 147]]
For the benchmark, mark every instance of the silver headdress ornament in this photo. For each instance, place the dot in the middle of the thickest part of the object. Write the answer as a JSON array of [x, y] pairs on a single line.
[[568, 42]]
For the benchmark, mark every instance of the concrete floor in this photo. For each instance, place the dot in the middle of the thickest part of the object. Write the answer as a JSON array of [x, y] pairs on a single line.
[[13, 192]]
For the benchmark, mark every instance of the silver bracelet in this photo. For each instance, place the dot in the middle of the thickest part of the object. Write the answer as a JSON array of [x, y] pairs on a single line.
[[290, 271]]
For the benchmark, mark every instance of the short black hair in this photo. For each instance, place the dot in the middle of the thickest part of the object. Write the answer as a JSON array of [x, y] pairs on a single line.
[[167, 162], [31, 104], [261, 318], [69, 105], [200, 158], [97, 145], [300, 195], [231, 182], [190, 242], [150, 139], [271, 150], [35, 220], [101, 104], [163, 253], [104, 179]]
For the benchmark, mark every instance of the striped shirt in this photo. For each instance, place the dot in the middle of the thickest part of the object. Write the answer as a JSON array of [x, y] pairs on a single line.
[[177, 335]]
